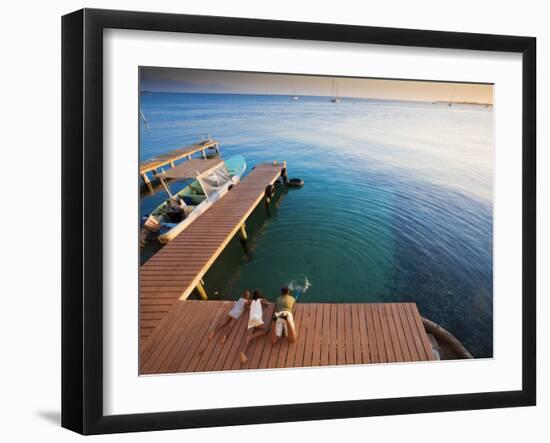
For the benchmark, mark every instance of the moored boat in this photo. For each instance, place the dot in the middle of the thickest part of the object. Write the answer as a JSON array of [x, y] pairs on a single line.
[[206, 181]]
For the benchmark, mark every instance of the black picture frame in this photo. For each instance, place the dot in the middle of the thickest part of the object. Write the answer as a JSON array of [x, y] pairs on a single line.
[[82, 253]]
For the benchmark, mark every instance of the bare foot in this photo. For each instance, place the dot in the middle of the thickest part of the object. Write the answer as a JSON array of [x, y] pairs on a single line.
[[210, 335], [243, 358], [222, 341]]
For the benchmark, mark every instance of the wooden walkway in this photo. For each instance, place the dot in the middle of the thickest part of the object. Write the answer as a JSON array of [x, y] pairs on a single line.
[[174, 272], [169, 158], [328, 335]]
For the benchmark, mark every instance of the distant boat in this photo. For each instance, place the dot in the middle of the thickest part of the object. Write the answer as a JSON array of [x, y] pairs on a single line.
[[334, 92], [452, 100], [294, 96]]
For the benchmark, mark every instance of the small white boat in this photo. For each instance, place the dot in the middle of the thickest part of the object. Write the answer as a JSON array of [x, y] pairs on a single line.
[[210, 180]]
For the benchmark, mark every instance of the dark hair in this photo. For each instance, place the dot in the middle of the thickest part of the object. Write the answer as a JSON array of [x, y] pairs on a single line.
[[285, 290], [257, 294], [246, 293]]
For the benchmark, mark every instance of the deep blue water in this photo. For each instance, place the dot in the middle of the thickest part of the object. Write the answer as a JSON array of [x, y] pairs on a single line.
[[397, 204]]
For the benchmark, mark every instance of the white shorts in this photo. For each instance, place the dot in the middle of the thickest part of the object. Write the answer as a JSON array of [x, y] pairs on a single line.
[[254, 322], [282, 324]]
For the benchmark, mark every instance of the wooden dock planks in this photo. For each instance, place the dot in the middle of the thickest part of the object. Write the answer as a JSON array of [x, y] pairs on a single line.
[[328, 334], [173, 273], [177, 154]]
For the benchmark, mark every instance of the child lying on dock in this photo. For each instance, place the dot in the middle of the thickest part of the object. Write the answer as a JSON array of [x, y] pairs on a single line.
[[256, 325], [232, 316], [283, 320]]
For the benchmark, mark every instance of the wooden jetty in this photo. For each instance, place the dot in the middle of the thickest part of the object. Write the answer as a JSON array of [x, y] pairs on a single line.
[[178, 268], [169, 159], [328, 335]]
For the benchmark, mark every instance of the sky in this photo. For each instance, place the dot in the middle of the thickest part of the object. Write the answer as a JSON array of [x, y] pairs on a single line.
[[230, 82]]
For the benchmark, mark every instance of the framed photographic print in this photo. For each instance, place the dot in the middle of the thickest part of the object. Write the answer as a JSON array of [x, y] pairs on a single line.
[[271, 221]]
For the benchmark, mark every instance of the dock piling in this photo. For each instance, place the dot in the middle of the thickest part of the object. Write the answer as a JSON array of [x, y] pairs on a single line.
[[201, 290], [284, 175], [269, 194], [244, 236], [147, 182], [244, 239]]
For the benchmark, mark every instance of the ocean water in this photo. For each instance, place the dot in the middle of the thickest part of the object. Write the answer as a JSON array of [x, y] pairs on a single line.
[[397, 202]]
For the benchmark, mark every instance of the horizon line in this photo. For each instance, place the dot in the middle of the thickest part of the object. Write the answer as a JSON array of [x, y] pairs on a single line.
[[146, 91]]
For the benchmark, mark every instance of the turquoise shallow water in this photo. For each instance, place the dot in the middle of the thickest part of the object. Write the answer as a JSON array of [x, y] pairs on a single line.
[[397, 204]]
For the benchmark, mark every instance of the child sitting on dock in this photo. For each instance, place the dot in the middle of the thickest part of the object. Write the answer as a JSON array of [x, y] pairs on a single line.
[[283, 319], [256, 325], [232, 316]]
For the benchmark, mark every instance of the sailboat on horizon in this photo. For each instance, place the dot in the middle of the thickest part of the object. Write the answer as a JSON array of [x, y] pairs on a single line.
[[334, 92], [294, 96]]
